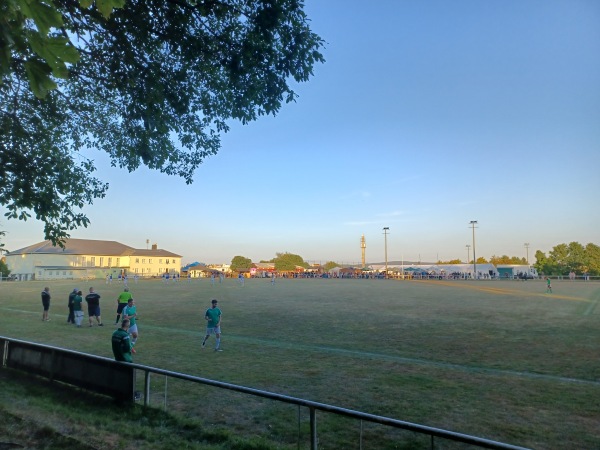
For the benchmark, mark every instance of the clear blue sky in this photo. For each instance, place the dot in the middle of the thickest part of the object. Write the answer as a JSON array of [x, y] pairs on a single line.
[[426, 115]]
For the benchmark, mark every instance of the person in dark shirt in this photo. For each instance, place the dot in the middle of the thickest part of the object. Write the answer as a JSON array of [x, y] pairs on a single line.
[[71, 317], [121, 345], [93, 301], [46, 303]]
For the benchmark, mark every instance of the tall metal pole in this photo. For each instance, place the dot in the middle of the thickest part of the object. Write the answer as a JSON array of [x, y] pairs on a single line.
[[527, 248], [385, 233], [468, 253], [473, 223]]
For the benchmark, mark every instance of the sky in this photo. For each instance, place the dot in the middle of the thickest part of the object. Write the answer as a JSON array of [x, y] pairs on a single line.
[[425, 116]]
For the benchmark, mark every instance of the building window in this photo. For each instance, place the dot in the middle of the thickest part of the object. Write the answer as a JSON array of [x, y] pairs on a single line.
[[144, 261], [93, 261], [137, 260], [160, 261], [40, 273], [50, 273], [118, 262], [136, 270], [167, 261], [101, 261], [109, 262], [150, 261], [70, 272], [64, 273], [148, 270], [83, 261]]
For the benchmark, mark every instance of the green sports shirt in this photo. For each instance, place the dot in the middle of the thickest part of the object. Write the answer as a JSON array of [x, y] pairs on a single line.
[[214, 317], [77, 303], [121, 345], [130, 311]]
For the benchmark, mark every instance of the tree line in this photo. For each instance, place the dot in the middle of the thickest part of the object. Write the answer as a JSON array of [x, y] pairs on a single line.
[[561, 260]]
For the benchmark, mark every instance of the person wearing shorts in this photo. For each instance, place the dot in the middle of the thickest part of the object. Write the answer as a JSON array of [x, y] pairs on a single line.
[[122, 300], [213, 326], [45, 303], [130, 313], [93, 301]]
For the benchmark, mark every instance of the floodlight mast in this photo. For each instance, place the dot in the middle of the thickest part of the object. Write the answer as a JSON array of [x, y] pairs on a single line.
[[473, 223], [527, 248], [385, 233]]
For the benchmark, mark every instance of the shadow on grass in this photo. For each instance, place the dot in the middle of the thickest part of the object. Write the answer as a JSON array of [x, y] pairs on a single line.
[[42, 415]]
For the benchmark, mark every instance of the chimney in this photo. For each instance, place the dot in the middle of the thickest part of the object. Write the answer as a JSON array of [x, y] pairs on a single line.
[[154, 246]]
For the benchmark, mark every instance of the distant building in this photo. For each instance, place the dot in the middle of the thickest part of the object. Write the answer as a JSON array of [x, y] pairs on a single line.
[[86, 258]]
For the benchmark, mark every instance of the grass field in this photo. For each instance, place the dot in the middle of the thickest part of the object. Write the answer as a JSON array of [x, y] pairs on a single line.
[[496, 359]]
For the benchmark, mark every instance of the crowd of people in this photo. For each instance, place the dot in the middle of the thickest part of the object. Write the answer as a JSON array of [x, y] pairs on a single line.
[[126, 314], [124, 338]]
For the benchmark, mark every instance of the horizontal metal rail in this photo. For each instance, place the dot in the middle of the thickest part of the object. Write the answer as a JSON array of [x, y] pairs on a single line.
[[311, 405]]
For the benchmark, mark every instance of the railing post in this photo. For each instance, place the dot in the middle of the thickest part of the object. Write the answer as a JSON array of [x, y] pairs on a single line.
[[361, 435], [146, 388], [313, 428]]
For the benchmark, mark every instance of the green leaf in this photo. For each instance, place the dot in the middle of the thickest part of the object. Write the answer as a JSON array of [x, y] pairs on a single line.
[[38, 74], [106, 6], [45, 16], [55, 50]]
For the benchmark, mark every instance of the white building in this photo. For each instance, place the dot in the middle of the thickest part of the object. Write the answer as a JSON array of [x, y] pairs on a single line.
[[85, 258]]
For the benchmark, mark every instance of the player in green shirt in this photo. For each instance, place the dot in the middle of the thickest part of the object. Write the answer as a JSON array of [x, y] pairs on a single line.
[[77, 309], [121, 345], [213, 326], [130, 313]]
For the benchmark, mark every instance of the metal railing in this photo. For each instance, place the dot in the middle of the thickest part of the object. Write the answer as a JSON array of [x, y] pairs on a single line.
[[6, 358]]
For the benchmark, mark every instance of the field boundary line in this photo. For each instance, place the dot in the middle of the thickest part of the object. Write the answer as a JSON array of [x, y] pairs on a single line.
[[500, 291], [590, 309], [372, 355], [382, 356]]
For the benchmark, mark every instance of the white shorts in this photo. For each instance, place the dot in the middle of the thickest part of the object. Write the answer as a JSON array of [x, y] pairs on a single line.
[[213, 330], [133, 329]]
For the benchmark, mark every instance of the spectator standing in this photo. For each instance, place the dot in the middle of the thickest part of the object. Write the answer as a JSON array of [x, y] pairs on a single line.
[[45, 303], [213, 326], [121, 344], [71, 316], [93, 301], [77, 309]]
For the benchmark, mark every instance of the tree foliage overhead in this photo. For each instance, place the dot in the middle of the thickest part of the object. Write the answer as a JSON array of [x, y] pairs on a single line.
[[155, 83]]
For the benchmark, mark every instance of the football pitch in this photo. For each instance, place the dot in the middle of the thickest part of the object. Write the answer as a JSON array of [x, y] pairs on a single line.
[[501, 360]]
